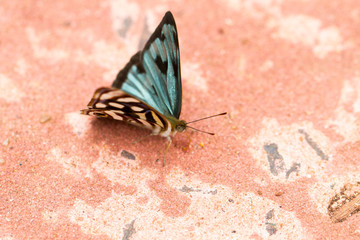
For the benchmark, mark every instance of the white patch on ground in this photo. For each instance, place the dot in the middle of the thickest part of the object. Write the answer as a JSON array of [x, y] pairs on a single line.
[[110, 57], [8, 90], [21, 66], [121, 170], [72, 165], [194, 76], [329, 40], [242, 66], [266, 66], [107, 55], [132, 25], [7, 238], [113, 214], [111, 217], [240, 216], [257, 9], [295, 150], [50, 216], [254, 7], [36, 38], [79, 123], [233, 4], [123, 11], [298, 29], [356, 89], [349, 91], [308, 31], [346, 123], [114, 56]]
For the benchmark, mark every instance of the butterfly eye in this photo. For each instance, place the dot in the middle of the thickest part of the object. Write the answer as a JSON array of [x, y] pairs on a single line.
[[180, 127]]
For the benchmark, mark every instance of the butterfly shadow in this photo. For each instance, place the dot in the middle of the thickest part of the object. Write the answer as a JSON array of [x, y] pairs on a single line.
[[118, 136]]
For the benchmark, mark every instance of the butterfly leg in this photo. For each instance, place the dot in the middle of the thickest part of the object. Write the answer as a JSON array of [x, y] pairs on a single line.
[[167, 148], [188, 146]]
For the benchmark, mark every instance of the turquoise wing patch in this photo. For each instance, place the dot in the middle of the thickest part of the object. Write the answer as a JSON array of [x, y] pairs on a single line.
[[153, 74]]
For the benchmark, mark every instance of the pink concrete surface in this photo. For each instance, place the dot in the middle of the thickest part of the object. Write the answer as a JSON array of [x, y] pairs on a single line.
[[284, 163]]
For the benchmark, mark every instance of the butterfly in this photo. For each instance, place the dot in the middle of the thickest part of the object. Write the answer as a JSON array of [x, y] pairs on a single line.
[[147, 92]]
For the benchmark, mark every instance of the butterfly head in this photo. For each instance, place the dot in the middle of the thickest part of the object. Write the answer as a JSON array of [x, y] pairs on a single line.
[[180, 126]]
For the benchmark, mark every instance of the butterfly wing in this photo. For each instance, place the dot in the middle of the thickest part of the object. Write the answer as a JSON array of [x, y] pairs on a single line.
[[116, 104], [153, 74]]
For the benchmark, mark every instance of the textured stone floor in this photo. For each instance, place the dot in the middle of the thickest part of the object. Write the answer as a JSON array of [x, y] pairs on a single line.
[[284, 163]]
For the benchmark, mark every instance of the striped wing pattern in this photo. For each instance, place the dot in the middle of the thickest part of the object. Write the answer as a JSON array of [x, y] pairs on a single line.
[[116, 104]]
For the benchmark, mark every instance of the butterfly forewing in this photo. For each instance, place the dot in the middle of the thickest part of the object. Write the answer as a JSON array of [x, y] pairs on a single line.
[[147, 91], [116, 104], [153, 74]]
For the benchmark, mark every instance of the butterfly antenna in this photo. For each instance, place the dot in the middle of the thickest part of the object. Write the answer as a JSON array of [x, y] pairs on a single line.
[[220, 114], [210, 133]]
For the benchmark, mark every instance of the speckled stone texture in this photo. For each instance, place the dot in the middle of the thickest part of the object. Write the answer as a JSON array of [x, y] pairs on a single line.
[[284, 163]]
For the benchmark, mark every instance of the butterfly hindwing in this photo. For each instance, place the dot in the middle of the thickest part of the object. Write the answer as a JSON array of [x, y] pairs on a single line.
[[153, 74], [116, 104]]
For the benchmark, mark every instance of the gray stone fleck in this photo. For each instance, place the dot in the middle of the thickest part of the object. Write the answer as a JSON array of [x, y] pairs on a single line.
[[276, 161], [6, 142], [127, 155], [270, 214], [294, 168], [314, 145], [125, 27], [129, 230], [271, 228], [144, 35], [187, 189]]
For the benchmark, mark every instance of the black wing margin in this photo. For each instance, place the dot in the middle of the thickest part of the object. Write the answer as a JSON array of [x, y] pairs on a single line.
[[153, 74]]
